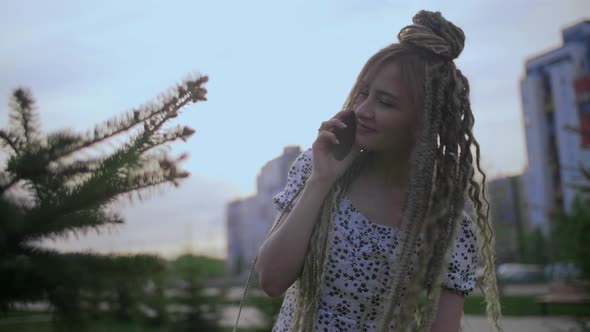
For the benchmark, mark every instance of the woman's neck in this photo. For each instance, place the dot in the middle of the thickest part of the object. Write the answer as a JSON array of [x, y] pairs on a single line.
[[389, 170]]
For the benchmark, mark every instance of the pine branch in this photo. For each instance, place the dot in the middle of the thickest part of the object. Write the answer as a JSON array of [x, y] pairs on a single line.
[[9, 139], [166, 107], [77, 221], [30, 166], [12, 211], [6, 182], [34, 165], [130, 156], [62, 176], [61, 142], [104, 187], [32, 162], [77, 167], [152, 179], [23, 113], [180, 132]]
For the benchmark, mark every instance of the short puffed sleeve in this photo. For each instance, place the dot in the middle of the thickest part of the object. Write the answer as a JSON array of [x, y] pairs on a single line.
[[298, 174], [460, 275]]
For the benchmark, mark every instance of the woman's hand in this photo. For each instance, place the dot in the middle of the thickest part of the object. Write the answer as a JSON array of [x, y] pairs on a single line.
[[325, 167]]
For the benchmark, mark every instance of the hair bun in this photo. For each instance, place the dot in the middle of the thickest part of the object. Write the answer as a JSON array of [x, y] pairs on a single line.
[[431, 31]]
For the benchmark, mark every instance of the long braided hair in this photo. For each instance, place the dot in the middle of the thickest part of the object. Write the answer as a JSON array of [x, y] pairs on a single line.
[[442, 175]]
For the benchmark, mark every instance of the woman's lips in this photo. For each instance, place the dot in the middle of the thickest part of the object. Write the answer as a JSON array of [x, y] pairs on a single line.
[[364, 128]]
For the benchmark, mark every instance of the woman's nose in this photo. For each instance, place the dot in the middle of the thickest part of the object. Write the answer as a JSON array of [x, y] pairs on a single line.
[[364, 109]]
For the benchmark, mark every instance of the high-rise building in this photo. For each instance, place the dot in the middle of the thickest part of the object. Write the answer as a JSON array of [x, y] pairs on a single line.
[[248, 220], [554, 94], [508, 214]]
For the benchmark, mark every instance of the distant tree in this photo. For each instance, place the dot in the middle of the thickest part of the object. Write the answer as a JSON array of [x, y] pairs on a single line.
[[200, 313], [154, 298], [572, 234], [269, 308], [51, 187], [536, 247], [202, 267], [572, 230]]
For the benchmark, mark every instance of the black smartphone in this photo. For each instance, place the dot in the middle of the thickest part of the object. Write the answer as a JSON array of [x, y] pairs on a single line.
[[345, 136]]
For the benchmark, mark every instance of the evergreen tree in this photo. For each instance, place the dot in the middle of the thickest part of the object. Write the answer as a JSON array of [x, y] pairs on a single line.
[[51, 188]]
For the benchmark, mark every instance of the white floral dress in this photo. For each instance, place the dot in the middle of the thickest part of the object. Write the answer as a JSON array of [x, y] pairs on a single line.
[[361, 255]]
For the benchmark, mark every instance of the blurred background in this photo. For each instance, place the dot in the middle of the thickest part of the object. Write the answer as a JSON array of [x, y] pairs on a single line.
[[175, 258]]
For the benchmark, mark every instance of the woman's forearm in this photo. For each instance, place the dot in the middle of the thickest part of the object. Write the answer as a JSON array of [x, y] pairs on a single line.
[[281, 256], [448, 315]]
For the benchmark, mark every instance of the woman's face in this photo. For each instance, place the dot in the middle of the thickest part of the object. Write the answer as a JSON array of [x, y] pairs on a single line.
[[386, 117]]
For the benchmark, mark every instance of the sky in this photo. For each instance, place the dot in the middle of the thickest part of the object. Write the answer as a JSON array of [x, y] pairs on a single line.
[[277, 69]]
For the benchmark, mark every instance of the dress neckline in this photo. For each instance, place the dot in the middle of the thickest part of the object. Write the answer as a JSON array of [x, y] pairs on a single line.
[[386, 227]]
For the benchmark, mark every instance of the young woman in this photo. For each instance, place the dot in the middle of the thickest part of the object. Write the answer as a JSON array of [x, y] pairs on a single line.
[[381, 240]]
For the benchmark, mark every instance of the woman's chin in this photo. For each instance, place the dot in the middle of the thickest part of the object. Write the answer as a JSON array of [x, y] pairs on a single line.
[[363, 143]]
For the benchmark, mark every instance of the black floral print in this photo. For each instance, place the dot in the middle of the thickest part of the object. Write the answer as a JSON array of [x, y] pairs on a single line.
[[361, 257]]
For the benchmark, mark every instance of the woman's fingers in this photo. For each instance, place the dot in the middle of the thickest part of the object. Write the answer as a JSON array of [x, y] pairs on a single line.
[[342, 114], [326, 138], [333, 122]]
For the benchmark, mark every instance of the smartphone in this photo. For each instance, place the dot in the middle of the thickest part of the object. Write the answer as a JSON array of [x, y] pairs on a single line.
[[346, 136]]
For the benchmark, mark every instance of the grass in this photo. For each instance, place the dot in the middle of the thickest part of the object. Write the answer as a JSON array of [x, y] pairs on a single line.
[[94, 326], [525, 306], [100, 326], [474, 305], [22, 313]]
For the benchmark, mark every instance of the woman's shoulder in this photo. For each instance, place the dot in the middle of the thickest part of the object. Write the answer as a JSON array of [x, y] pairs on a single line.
[[306, 156], [466, 228], [467, 222], [298, 174], [302, 165]]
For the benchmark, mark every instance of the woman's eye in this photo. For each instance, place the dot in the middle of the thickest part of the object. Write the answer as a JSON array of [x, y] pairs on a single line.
[[387, 102]]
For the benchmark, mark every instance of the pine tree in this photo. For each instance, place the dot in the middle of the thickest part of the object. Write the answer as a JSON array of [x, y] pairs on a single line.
[[51, 188]]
